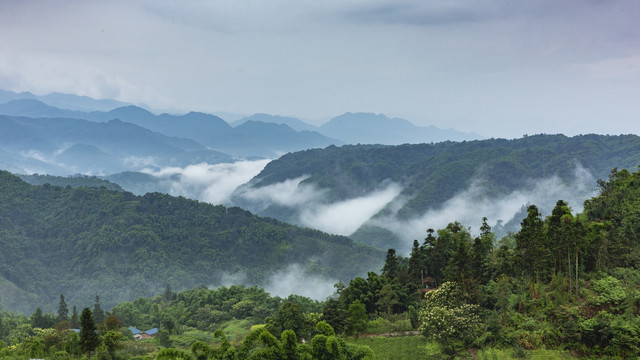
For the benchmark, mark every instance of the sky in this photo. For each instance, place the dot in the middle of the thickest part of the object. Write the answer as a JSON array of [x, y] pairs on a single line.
[[500, 68]]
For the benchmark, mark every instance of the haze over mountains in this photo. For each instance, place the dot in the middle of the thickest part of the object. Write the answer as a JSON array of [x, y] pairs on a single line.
[[381, 190], [259, 135]]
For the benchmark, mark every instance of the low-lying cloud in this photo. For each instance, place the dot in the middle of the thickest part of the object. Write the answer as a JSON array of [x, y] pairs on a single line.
[[469, 206], [210, 183], [294, 280], [345, 217], [289, 193], [342, 218]]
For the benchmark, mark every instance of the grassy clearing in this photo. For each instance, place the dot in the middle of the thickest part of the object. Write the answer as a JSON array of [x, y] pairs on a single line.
[[509, 354], [418, 347], [399, 348]]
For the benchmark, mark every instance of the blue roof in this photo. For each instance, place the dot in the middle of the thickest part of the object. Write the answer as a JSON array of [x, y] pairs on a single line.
[[134, 330], [151, 331]]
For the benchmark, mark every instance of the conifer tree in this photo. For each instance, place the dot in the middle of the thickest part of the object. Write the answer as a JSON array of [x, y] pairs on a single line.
[[37, 319], [74, 318], [98, 313], [88, 335], [63, 310]]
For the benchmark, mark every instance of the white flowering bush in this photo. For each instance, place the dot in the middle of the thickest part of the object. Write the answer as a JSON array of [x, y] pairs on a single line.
[[447, 319]]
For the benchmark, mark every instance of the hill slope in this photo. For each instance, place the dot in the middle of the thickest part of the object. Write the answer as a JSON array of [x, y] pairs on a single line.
[[87, 241], [492, 178], [74, 145], [250, 139]]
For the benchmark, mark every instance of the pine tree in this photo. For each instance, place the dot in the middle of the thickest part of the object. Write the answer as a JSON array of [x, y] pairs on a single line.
[[98, 313], [63, 310], [74, 318], [168, 294], [37, 319], [390, 268], [88, 335], [530, 244]]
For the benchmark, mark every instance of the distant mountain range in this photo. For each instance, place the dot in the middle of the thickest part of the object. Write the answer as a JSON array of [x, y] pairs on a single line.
[[64, 101], [236, 138], [248, 140], [65, 146]]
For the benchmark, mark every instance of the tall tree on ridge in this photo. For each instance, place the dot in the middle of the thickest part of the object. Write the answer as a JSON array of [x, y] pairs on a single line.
[[63, 310], [98, 313]]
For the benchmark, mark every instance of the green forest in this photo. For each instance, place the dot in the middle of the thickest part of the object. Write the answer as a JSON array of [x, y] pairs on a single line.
[[433, 173], [84, 242], [564, 286]]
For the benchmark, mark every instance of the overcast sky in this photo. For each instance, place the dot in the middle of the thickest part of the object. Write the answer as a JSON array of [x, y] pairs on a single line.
[[501, 68]]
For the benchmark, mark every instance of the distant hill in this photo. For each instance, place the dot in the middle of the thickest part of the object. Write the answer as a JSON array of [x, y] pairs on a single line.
[[368, 128], [295, 124], [64, 101], [476, 172], [255, 137], [62, 146], [86, 241], [250, 139]]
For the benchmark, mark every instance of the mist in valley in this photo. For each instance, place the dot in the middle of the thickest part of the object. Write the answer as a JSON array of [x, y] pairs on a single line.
[[228, 184]]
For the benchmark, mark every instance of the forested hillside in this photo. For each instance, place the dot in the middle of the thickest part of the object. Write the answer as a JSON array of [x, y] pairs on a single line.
[[431, 174], [87, 241], [564, 286]]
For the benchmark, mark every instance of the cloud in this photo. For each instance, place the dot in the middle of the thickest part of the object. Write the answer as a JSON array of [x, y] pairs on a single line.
[[210, 183], [289, 193], [294, 280], [345, 217], [469, 206]]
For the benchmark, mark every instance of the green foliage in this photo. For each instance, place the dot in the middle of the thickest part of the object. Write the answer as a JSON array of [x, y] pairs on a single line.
[[124, 246], [446, 318], [357, 319], [88, 333], [290, 316], [609, 291], [434, 173]]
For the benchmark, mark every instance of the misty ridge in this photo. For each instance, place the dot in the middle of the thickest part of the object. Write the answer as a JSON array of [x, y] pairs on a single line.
[[385, 194], [398, 189]]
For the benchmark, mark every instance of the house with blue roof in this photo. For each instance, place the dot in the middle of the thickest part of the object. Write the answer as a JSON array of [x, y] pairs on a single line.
[[137, 334]]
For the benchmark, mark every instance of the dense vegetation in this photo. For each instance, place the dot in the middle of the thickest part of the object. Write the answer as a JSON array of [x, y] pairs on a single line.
[[434, 173], [565, 282], [87, 241], [566, 285], [73, 181]]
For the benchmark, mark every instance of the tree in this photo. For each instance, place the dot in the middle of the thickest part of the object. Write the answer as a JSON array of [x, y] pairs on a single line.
[[530, 244], [446, 318], [390, 268], [37, 319], [63, 310], [88, 336], [98, 313], [112, 323], [74, 318], [112, 341], [163, 338], [290, 317], [357, 320], [482, 247], [168, 294]]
